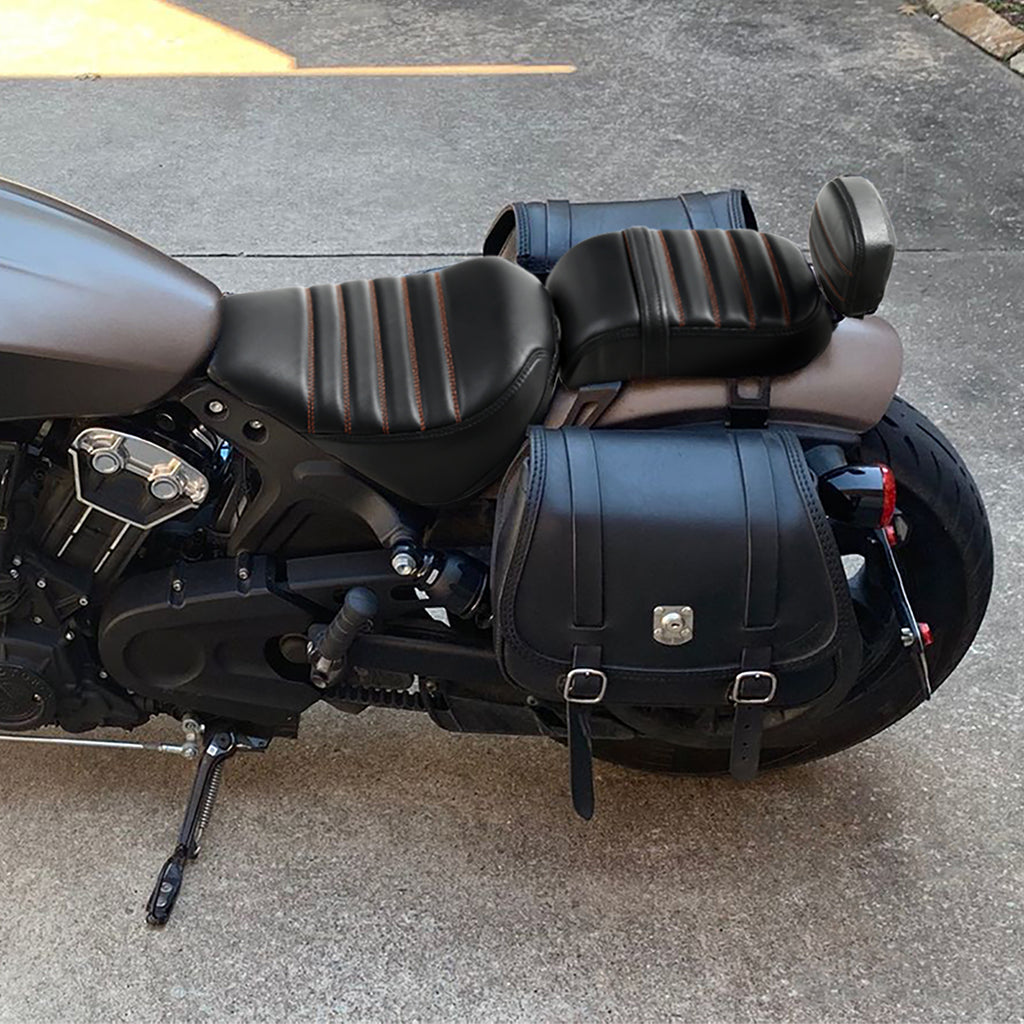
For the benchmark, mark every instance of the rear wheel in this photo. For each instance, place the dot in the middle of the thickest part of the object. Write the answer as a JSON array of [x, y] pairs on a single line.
[[946, 562]]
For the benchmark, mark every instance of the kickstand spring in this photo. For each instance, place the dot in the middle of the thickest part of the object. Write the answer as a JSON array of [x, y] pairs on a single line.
[[198, 811]]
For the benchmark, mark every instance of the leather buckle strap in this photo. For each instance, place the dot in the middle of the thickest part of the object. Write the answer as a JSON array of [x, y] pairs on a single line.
[[755, 684], [763, 685], [585, 686], [753, 688]]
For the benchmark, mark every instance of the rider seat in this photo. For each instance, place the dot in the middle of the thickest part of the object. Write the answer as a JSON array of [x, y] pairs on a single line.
[[425, 384]]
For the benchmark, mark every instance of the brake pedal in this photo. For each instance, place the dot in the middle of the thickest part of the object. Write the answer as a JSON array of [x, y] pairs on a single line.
[[198, 811]]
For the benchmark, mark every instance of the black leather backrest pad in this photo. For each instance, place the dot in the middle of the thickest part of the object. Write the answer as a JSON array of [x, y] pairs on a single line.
[[852, 244], [644, 304]]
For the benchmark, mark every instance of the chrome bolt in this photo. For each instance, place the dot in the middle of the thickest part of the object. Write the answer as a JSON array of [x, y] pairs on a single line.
[[41, 584], [103, 674], [108, 461], [256, 424], [243, 574], [83, 602], [215, 408], [907, 636], [403, 563], [14, 574], [177, 586], [16, 560], [165, 488], [37, 620], [69, 635]]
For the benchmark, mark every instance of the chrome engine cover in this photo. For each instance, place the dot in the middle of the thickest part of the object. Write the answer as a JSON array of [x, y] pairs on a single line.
[[133, 481]]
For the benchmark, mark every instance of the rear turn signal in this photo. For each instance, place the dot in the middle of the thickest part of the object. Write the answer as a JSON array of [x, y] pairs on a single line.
[[862, 496]]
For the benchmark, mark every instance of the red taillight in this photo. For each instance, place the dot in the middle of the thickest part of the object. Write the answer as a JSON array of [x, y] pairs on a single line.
[[926, 634], [888, 495], [891, 536]]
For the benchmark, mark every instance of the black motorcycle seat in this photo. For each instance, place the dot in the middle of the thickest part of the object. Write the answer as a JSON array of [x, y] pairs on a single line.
[[425, 384], [640, 304]]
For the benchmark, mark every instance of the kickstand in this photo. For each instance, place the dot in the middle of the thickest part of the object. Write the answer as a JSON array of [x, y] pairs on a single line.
[[197, 815]]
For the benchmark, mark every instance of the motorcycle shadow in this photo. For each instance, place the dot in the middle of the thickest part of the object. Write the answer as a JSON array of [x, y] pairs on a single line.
[[390, 807]]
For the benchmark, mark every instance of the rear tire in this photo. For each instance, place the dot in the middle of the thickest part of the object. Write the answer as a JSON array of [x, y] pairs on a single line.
[[947, 567]]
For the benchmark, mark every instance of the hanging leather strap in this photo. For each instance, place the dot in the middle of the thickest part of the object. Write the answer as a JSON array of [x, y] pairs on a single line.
[[755, 684], [751, 690], [585, 686]]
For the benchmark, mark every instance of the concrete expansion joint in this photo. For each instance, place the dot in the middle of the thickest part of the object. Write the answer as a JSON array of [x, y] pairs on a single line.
[[983, 27]]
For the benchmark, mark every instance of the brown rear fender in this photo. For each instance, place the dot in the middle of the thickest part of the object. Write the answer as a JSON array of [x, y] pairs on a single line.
[[849, 386]]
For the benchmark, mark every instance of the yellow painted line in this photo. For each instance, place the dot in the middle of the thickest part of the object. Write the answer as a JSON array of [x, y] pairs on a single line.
[[351, 71], [374, 70], [154, 38]]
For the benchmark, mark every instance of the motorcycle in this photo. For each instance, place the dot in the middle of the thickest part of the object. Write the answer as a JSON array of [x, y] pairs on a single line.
[[635, 480]]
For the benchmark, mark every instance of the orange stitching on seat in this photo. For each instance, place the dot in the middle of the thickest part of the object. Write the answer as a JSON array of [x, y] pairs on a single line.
[[743, 281], [675, 283], [343, 337], [778, 277], [448, 348], [412, 352], [310, 366], [381, 384], [712, 294], [821, 224]]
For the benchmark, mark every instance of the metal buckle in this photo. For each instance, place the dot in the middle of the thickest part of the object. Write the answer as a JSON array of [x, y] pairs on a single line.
[[734, 693], [582, 673]]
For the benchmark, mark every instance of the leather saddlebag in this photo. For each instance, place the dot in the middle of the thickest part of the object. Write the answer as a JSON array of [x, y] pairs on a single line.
[[685, 568], [537, 235]]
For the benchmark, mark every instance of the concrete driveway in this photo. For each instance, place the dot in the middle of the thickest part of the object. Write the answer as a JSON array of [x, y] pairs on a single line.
[[381, 870]]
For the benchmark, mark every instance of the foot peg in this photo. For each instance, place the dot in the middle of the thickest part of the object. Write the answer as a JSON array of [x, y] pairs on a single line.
[[329, 646], [197, 816]]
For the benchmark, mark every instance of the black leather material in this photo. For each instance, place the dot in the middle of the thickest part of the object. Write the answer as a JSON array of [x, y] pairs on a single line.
[[748, 722], [581, 693], [852, 244], [424, 384], [536, 235], [726, 522], [642, 303]]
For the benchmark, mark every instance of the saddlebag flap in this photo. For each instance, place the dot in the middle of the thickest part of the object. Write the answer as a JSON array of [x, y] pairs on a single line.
[[676, 568], [536, 235]]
